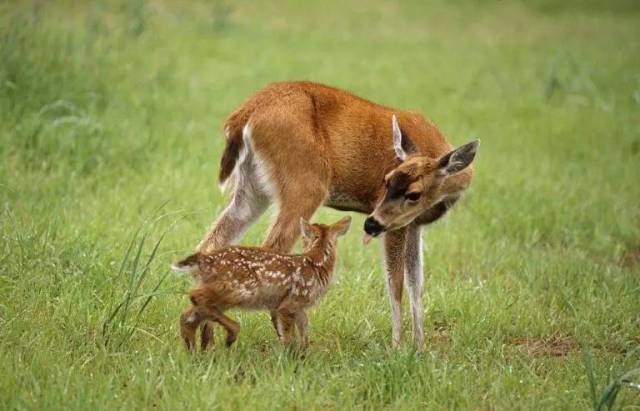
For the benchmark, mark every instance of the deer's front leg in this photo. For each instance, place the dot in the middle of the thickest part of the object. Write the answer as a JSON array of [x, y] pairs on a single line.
[[414, 279], [394, 258]]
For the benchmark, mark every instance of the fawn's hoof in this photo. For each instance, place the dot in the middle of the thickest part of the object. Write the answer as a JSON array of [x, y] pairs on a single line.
[[230, 340], [206, 337]]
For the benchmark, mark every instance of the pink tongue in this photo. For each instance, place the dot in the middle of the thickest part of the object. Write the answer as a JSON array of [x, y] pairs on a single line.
[[366, 238]]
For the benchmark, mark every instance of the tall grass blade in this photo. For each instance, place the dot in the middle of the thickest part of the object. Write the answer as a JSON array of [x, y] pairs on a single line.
[[114, 312], [587, 358], [133, 270]]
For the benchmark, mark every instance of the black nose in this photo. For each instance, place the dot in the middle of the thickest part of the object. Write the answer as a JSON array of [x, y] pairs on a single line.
[[372, 227]]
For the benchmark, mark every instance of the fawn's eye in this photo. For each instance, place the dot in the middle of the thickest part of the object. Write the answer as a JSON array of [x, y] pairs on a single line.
[[413, 196]]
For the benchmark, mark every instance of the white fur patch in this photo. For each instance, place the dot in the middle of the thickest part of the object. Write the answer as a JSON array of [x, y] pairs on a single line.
[[231, 182], [260, 167], [184, 268], [397, 139]]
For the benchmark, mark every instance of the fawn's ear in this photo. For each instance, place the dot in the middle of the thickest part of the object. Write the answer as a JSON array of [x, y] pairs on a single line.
[[187, 265], [341, 227], [457, 160], [306, 229]]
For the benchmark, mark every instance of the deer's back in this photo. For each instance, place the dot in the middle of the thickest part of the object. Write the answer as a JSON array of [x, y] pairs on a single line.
[[256, 278], [292, 121]]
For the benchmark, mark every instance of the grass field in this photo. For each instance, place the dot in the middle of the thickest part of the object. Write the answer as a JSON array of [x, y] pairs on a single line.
[[110, 117]]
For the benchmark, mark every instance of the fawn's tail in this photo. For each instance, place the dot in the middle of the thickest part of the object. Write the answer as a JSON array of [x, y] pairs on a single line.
[[187, 265]]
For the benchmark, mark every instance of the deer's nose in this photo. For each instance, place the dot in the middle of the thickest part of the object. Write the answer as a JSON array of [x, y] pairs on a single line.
[[372, 226]]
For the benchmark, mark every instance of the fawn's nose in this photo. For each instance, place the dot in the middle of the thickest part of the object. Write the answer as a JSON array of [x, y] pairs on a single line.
[[372, 226]]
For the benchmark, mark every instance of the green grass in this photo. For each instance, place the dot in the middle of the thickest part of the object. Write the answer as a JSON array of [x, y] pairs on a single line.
[[110, 117]]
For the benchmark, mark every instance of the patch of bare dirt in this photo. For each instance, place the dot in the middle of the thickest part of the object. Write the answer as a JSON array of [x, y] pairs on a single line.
[[555, 345], [631, 259]]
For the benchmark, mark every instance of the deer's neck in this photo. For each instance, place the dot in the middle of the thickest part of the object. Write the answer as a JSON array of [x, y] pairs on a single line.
[[322, 258]]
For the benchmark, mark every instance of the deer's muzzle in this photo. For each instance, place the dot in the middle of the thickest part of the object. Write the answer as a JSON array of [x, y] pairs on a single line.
[[373, 227]]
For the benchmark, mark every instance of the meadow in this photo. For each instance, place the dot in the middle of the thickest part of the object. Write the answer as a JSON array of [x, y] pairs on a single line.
[[110, 138]]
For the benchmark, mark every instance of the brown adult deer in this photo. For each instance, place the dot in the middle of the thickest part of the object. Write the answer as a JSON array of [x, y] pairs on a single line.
[[258, 278], [301, 145]]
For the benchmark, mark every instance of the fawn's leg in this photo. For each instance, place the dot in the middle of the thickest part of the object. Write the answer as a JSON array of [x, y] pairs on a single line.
[[206, 306], [206, 335], [286, 326], [248, 202], [274, 321], [232, 327], [394, 256], [189, 321], [414, 279], [301, 324]]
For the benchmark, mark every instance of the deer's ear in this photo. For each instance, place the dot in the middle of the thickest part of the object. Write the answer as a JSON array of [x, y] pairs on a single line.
[[306, 229], [401, 143], [457, 160], [342, 226]]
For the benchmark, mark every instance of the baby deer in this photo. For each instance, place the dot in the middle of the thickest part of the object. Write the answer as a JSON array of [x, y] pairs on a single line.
[[258, 278]]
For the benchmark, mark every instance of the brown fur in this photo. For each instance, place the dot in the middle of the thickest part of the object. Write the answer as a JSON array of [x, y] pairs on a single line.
[[257, 278], [342, 140]]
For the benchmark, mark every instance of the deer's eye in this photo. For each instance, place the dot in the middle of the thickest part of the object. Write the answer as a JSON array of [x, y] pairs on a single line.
[[413, 196]]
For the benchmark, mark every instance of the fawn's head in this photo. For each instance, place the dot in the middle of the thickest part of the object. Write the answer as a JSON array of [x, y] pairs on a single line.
[[314, 235], [417, 184]]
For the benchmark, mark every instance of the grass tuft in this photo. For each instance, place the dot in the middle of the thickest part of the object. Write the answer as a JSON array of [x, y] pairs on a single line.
[[606, 398], [122, 319]]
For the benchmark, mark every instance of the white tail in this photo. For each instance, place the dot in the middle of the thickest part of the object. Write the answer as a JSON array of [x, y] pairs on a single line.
[[187, 265]]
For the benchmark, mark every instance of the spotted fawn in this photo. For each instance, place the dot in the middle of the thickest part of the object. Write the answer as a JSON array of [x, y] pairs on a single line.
[[258, 278]]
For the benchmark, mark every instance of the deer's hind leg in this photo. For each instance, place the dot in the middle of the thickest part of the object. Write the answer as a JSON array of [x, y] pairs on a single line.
[[285, 230], [295, 201], [298, 198], [293, 172], [296, 168], [249, 200]]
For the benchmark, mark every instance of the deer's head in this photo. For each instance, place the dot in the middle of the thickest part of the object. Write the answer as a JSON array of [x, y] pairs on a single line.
[[417, 184], [321, 234]]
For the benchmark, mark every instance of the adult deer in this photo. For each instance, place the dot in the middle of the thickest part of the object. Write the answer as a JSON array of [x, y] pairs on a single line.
[[301, 145]]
